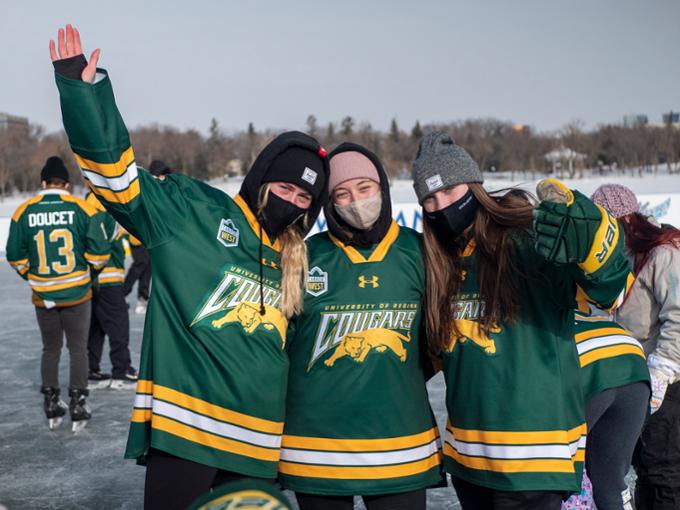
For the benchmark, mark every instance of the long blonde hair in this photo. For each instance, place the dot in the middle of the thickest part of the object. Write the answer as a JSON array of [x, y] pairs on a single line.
[[294, 266]]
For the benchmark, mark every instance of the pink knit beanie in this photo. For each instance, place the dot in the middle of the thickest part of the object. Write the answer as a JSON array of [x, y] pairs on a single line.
[[617, 199], [350, 165]]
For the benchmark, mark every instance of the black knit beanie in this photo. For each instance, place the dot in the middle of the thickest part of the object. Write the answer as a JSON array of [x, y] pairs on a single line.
[[300, 166], [54, 168]]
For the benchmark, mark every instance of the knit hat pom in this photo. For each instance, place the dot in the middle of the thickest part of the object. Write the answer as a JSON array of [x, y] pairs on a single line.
[[350, 165], [617, 199]]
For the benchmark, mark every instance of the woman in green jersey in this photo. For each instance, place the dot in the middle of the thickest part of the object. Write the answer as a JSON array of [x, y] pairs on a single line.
[[228, 274], [500, 302], [358, 420]]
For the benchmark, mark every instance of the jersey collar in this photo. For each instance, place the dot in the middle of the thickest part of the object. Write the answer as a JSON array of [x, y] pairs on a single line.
[[378, 254], [255, 225], [53, 191]]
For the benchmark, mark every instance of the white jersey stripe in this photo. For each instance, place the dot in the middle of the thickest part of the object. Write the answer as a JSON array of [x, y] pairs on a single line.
[[605, 341], [214, 426], [360, 459], [143, 401], [119, 183], [41, 284]]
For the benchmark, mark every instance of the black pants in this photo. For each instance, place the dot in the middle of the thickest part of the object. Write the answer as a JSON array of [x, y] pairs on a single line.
[[615, 418], [110, 318], [414, 500], [74, 322], [657, 457], [173, 483], [139, 270], [476, 497]]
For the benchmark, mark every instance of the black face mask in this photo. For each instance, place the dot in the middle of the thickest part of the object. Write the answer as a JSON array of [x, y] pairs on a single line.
[[279, 214], [454, 219]]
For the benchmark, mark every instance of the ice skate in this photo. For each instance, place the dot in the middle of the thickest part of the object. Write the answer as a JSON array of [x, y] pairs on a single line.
[[98, 380], [55, 408], [80, 412]]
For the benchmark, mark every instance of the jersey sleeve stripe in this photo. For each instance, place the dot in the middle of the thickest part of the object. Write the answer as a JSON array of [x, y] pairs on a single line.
[[599, 332], [116, 169], [120, 183], [122, 197], [606, 341], [610, 352]]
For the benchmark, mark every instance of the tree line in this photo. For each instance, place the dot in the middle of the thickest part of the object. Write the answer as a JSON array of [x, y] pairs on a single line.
[[497, 146]]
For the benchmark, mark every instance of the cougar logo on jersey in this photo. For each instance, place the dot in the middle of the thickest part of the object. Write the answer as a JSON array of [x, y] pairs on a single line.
[[468, 313], [228, 234], [358, 345], [372, 281], [248, 315], [245, 500], [353, 330], [317, 281], [238, 296]]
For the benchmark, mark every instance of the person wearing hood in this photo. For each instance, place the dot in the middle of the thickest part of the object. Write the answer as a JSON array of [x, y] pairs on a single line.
[[228, 274], [358, 420], [501, 280]]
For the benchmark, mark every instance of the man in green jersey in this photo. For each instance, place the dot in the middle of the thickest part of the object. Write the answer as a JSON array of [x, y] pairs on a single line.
[[56, 241], [228, 273]]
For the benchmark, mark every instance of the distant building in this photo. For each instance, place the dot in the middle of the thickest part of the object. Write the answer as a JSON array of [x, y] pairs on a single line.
[[672, 118], [13, 122], [635, 119]]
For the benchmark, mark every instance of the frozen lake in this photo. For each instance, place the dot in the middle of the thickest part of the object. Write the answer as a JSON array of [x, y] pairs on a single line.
[[40, 469]]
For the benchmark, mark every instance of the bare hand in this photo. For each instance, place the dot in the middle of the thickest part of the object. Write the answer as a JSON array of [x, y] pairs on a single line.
[[68, 41]]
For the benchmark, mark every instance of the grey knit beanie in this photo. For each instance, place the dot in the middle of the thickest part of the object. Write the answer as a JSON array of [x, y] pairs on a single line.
[[440, 163]]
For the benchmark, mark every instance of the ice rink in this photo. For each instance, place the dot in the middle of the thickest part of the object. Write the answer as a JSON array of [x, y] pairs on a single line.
[[42, 469]]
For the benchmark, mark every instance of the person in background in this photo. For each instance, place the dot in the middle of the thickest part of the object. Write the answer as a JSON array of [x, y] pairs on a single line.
[[110, 312], [55, 241], [651, 313]]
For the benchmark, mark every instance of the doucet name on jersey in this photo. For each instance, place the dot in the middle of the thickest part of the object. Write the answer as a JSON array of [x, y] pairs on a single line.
[[237, 285], [47, 219], [339, 320]]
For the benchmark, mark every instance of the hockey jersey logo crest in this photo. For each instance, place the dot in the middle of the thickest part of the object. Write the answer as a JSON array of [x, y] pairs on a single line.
[[248, 315], [317, 281], [228, 234], [357, 345]]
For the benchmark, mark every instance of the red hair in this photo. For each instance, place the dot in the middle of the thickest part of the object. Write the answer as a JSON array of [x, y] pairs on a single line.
[[642, 236]]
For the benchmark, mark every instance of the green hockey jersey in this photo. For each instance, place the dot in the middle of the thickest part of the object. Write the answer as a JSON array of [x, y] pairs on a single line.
[[358, 419], [213, 370], [54, 240], [609, 355], [516, 413], [114, 272]]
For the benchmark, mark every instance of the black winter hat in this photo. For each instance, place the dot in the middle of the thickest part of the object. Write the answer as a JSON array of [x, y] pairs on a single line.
[[54, 168], [298, 166], [157, 167]]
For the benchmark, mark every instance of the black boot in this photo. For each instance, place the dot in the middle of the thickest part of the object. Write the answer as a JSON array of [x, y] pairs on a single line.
[[55, 408], [80, 412]]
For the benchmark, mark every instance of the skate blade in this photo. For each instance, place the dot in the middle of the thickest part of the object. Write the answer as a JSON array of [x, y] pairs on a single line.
[[123, 385], [552, 190], [77, 426], [53, 423], [98, 385]]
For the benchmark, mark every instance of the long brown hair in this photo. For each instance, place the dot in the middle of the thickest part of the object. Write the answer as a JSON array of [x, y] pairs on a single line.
[[502, 217], [294, 265], [642, 236]]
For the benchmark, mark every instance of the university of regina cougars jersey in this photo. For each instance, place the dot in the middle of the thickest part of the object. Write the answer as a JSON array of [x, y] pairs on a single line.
[[54, 240], [213, 371], [358, 420], [516, 413]]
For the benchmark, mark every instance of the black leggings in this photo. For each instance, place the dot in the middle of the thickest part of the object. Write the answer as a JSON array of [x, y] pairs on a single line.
[[403, 501], [174, 483], [615, 418], [476, 497]]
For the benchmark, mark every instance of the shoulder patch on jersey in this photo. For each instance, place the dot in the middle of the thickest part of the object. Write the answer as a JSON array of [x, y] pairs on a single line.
[[317, 281], [228, 234]]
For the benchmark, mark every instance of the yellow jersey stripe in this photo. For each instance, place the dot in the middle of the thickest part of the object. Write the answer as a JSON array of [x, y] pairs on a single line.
[[518, 438], [609, 352], [144, 386], [378, 254], [141, 415], [20, 210], [220, 413], [587, 335], [108, 169], [120, 197], [359, 445], [513, 465], [34, 277], [362, 472]]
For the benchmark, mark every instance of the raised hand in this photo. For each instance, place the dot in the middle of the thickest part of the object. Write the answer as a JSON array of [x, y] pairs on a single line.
[[68, 45]]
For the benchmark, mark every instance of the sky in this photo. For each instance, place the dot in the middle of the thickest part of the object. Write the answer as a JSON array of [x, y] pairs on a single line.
[[273, 63]]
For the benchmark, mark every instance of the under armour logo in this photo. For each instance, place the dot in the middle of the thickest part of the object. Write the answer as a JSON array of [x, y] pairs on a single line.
[[270, 263], [363, 281]]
